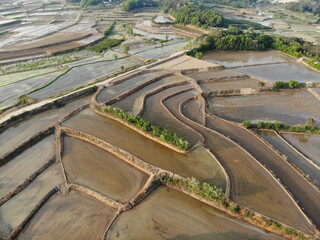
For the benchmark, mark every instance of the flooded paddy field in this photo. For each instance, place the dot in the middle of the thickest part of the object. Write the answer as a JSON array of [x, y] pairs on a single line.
[[232, 84], [139, 48], [194, 110], [20, 131], [134, 102], [14, 211], [84, 74], [10, 93], [292, 156], [290, 107], [113, 91], [168, 214], [214, 74], [99, 170], [17, 170], [74, 216], [157, 115], [251, 185], [307, 144], [238, 59], [198, 163], [161, 52], [282, 72]]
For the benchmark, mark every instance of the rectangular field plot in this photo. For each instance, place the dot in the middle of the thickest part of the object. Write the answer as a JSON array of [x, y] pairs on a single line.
[[198, 163], [290, 107], [237, 59], [168, 214], [17, 170], [113, 91], [74, 216], [231, 84], [282, 72], [14, 211], [90, 166], [307, 144], [19, 132], [84, 74]]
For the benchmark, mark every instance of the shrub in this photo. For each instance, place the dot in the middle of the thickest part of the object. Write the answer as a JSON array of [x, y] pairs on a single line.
[[234, 208], [105, 44], [261, 84], [247, 124]]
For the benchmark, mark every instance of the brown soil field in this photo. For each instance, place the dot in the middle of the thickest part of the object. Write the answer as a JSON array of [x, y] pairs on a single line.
[[156, 114], [251, 185], [74, 216], [14, 211], [198, 163], [303, 191], [17, 170], [101, 171], [168, 214], [19, 132]]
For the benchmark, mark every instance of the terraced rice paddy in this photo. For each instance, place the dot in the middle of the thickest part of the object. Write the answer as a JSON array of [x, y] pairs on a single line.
[[238, 59], [194, 110], [19, 132], [168, 214], [231, 84], [306, 144], [84, 74], [198, 163], [134, 102], [292, 156], [17, 170], [251, 185], [113, 91], [101, 171], [284, 106], [85, 217], [214, 74]]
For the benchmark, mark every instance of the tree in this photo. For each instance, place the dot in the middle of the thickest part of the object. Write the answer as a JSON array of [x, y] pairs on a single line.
[[199, 55], [293, 84], [126, 49]]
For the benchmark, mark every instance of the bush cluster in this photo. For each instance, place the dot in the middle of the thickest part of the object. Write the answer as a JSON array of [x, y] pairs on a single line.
[[290, 84], [164, 135], [105, 44]]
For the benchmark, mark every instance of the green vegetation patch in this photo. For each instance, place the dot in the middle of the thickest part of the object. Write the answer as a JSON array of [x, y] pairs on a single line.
[[105, 44], [25, 100], [244, 24], [164, 135], [130, 5]]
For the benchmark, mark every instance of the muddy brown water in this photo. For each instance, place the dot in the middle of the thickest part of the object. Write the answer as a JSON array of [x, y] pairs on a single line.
[[303, 191], [157, 115], [74, 216], [292, 156], [134, 102], [17, 170], [236, 59], [113, 91], [198, 163], [14, 211], [194, 110], [19, 132], [91, 166], [231, 84], [251, 185], [307, 144], [169, 214], [290, 107]]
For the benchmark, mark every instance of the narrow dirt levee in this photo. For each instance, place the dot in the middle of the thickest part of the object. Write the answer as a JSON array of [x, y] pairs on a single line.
[[251, 185], [302, 190], [74, 216]]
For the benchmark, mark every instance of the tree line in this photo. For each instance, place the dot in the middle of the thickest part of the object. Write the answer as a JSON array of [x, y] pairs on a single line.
[[130, 5]]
